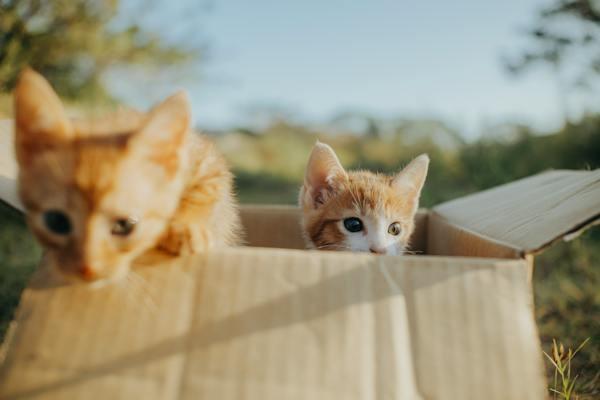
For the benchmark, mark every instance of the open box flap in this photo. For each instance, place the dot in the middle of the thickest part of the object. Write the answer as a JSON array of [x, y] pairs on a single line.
[[8, 166], [282, 324], [531, 213]]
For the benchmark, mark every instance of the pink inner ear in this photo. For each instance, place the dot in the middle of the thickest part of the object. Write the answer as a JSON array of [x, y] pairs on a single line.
[[318, 196], [322, 171], [324, 187]]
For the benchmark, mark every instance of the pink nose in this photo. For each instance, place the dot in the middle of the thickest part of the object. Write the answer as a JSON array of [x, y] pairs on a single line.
[[377, 250], [87, 273]]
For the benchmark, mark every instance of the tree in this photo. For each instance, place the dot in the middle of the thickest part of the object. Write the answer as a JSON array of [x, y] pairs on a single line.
[[74, 42], [566, 36]]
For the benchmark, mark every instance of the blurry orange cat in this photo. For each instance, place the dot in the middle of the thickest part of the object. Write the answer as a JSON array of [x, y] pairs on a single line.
[[100, 193], [359, 210]]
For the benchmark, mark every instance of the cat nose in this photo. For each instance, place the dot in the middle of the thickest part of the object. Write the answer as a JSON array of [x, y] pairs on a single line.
[[87, 272], [377, 250]]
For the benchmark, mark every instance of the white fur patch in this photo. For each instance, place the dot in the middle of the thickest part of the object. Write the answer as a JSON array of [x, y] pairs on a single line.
[[374, 236]]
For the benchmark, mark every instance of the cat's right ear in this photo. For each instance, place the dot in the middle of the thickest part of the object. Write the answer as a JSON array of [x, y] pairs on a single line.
[[40, 119], [323, 174], [164, 131]]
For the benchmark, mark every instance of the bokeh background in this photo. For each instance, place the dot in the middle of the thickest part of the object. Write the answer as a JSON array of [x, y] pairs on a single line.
[[493, 91]]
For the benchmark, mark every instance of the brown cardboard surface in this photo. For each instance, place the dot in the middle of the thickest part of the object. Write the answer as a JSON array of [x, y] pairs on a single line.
[[282, 324], [272, 226], [445, 238], [531, 213]]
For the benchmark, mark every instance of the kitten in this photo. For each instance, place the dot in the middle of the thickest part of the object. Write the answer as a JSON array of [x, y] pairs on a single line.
[[98, 194], [359, 210]]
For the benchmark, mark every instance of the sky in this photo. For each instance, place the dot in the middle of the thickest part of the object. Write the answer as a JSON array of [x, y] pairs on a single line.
[[399, 58]]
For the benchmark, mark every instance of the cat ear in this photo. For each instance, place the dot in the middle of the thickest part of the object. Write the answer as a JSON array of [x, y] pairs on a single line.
[[40, 118], [409, 182], [323, 174], [167, 122], [165, 128]]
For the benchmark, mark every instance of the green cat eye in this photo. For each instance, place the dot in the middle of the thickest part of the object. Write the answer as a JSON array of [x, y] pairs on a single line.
[[57, 222], [123, 226], [394, 229], [353, 224]]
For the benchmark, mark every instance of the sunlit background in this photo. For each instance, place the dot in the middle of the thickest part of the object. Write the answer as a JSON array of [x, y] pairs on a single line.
[[319, 62], [493, 91]]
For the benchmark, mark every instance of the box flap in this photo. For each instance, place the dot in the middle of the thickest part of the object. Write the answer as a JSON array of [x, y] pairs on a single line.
[[8, 166], [531, 213], [282, 324]]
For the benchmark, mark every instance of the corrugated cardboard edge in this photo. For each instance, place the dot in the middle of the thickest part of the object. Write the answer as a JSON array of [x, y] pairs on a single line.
[[569, 235], [450, 238], [511, 250]]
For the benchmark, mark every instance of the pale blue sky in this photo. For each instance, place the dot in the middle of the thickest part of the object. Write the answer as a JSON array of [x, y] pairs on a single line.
[[391, 58]]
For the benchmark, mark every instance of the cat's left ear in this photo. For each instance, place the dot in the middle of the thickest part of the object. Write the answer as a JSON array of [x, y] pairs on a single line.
[[40, 118], [324, 173], [165, 128], [409, 182]]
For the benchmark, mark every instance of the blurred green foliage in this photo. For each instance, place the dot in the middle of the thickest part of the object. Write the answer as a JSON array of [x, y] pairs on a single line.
[[567, 305], [270, 164], [73, 42], [19, 255]]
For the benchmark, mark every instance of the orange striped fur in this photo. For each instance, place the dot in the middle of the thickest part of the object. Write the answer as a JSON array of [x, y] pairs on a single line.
[[330, 196]]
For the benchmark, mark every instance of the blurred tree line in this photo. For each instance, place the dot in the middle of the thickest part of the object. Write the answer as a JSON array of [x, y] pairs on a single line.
[[270, 164], [565, 37]]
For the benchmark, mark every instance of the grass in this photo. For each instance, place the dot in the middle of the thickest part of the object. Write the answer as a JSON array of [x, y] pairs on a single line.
[[19, 255], [561, 361], [567, 306]]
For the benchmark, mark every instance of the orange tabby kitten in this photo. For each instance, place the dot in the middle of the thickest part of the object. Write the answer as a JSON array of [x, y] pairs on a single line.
[[359, 210], [99, 194]]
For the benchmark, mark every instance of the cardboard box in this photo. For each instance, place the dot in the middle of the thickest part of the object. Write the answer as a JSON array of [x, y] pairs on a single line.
[[279, 322]]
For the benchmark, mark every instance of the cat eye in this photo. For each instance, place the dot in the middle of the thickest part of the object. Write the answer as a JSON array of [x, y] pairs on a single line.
[[394, 229], [123, 226], [57, 222], [353, 224]]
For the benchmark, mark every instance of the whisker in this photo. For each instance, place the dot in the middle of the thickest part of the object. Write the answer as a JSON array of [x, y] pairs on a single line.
[[412, 252], [332, 246]]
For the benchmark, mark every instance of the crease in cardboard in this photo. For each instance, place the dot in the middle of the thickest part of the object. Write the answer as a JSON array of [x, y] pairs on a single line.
[[408, 387]]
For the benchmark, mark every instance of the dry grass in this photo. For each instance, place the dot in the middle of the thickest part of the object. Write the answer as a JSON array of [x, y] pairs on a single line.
[[564, 381]]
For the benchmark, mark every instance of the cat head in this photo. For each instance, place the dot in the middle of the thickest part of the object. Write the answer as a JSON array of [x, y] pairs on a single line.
[[97, 193], [359, 211]]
